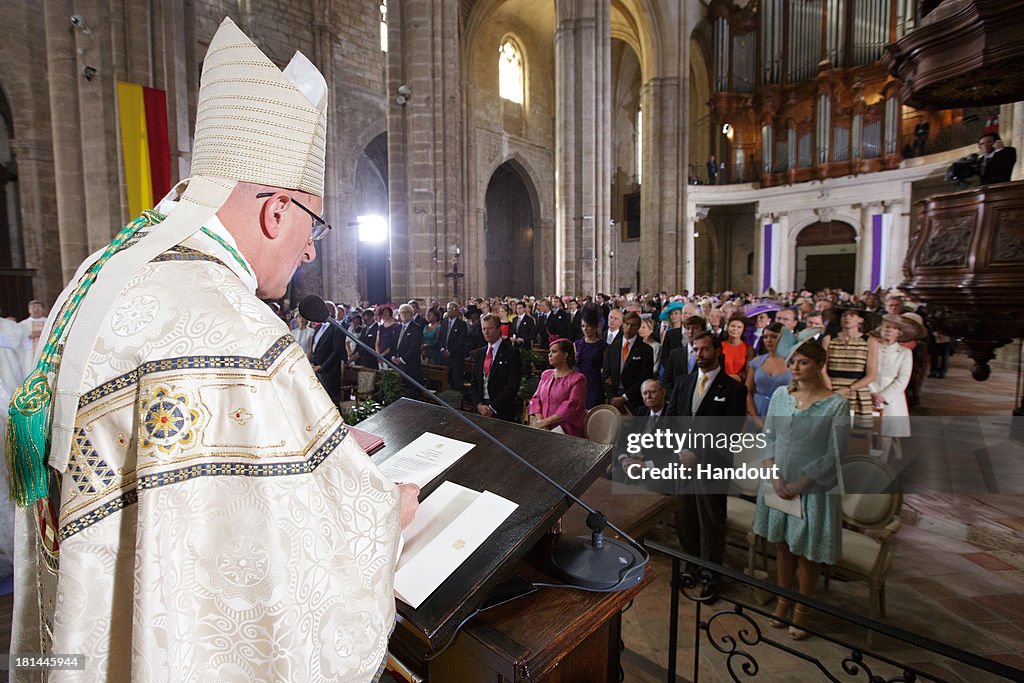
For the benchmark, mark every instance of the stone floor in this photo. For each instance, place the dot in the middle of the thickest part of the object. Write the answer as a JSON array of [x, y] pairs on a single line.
[[957, 577]]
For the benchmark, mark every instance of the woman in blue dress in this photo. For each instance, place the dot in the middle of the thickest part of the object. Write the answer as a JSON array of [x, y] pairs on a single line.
[[590, 354], [807, 427], [767, 373]]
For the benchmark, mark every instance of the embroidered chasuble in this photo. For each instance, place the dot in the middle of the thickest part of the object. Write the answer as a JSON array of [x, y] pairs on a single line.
[[215, 521]]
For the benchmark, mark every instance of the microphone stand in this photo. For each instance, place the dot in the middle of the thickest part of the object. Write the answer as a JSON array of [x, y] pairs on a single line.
[[577, 570]]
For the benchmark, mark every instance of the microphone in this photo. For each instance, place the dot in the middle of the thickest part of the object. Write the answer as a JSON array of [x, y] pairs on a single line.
[[599, 564]]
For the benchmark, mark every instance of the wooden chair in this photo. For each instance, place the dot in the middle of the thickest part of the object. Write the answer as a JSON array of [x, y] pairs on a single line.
[[365, 382], [602, 424], [435, 377], [740, 512], [871, 515]]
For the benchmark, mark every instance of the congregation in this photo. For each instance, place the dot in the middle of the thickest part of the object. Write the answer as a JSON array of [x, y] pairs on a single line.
[[844, 357]]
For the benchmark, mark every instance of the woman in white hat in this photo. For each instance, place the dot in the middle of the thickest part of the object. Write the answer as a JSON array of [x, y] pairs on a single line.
[[895, 365]]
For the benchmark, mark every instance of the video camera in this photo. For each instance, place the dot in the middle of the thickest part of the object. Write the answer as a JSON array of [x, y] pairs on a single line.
[[962, 169]]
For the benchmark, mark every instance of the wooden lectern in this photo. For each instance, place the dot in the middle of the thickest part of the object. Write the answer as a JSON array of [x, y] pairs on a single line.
[[551, 635]]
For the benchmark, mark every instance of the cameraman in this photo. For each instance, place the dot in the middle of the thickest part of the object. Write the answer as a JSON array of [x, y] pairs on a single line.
[[995, 165]]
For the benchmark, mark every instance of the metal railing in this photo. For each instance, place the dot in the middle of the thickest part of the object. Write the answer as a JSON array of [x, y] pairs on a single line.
[[739, 644]]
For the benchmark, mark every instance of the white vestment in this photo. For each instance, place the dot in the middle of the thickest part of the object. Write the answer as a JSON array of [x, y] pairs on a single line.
[[216, 520], [13, 356]]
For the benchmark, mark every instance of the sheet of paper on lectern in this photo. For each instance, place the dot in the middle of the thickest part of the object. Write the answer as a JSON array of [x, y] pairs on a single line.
[[423, 459], [449, 525]]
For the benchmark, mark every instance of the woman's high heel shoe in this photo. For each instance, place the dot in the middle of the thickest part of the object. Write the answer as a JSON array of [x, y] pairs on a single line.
[[801, 616], [781, 612]]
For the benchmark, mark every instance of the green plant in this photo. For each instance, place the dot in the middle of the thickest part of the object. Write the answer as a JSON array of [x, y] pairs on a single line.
[[389, 387], [527, 359], [528, 387], [360, 411]]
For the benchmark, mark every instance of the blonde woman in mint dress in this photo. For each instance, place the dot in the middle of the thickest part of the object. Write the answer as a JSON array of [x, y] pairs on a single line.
[[807, 428]]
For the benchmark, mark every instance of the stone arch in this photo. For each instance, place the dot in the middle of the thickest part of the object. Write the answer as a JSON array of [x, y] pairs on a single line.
[[371, 175], [525, 169], [637, 23], [370, 184], [510, 225], [825, 255], [699, 111]]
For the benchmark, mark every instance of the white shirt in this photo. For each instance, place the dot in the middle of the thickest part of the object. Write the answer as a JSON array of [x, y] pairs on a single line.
[[697, 398], [318, 335], [494, 357]]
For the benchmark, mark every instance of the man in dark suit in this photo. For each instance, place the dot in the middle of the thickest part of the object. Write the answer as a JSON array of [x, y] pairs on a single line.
[[558, 320], [496, 374], [649, 418], [417, 315], [328, 355], [575, 320], [709, 395], [543, 310], [683, 360], [454, 338], [474, 338], [995, 165], [410, 347], [627, 363], [524, 329]]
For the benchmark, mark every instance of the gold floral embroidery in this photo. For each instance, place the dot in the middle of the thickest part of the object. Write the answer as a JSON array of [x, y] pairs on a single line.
[[170, 422]]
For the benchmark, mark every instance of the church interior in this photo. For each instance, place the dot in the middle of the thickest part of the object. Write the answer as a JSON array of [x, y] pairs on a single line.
[[489, 148]]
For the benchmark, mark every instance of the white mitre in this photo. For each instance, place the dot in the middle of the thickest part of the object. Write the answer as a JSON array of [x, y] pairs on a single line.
[[254, 124], [257, 124]]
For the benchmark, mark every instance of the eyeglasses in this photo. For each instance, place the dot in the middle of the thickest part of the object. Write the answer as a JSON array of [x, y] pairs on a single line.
[[320, 226]]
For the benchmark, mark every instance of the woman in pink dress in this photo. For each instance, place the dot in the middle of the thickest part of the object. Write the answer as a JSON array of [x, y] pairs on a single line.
[[560, 399]]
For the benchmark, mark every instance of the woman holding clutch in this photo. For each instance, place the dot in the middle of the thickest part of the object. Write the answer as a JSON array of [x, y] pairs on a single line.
[[807, 429], [560, 399]]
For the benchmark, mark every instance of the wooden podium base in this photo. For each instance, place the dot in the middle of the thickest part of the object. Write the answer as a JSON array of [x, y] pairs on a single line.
[[554, 635]]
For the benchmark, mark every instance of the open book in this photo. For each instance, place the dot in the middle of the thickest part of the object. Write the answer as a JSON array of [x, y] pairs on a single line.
[[449, 526]]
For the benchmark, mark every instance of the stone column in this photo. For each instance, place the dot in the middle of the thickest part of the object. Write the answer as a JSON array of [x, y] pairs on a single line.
[[689, 258], [662, 243], [898, 243], [865, 244], [582, 145], [784, 245], [105, 202], [424, 146], [32, 145], [334, 274], [760, 257], [63, 78]]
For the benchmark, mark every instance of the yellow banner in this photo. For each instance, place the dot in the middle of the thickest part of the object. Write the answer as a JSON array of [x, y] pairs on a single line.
[[135, 147]]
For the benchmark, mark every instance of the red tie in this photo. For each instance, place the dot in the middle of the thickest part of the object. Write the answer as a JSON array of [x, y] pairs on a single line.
[[487, 359]]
